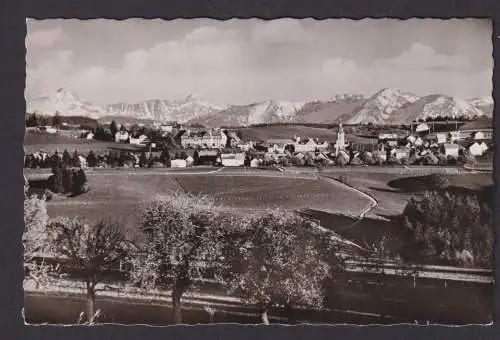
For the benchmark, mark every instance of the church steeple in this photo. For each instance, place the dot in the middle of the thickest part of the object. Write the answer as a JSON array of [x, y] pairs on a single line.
[[340, 144]]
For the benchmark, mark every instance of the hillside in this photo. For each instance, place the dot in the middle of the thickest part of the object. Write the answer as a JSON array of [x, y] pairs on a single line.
[[181, 110], [329, 112], [269, 111], [263, 133]]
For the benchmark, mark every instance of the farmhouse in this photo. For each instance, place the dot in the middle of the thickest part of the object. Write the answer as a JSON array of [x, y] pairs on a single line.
[[232, 159], [121, 136], [215, 138], [451, 150]]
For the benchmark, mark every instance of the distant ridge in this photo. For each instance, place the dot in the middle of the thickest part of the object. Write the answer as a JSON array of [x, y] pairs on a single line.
[[387, 106]]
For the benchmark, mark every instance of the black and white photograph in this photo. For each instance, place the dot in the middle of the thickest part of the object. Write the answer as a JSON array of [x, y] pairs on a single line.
[[248, 171]]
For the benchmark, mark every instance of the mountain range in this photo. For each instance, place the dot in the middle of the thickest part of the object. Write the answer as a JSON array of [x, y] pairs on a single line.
[[386, 106]]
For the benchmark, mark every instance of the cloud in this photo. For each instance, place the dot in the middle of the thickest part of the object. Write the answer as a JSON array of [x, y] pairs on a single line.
[[44, 38], [422, 57], [224, 67], [281, 31]]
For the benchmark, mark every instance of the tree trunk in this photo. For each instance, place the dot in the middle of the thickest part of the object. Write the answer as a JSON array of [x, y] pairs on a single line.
[[263, 315], [176, 306], [290, 314], [90, 301], [180, 287]]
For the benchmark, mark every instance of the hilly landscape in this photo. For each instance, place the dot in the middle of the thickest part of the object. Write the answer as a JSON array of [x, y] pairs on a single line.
[[387, 106]]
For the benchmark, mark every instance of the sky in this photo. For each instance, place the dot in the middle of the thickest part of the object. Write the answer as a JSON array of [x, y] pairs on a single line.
[[246, 61]]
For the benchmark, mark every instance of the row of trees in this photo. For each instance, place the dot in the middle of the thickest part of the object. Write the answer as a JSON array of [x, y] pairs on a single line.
[[67, 179], [271, 259], [34, 120]]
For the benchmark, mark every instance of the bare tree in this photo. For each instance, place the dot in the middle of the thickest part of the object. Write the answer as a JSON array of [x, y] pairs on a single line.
[[92, 249], [183, 239]]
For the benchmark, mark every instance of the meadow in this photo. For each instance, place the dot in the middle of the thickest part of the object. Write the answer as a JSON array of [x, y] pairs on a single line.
[[37, 141]]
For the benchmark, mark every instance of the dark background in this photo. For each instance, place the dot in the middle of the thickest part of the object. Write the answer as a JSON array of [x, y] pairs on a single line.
[[12, 107]]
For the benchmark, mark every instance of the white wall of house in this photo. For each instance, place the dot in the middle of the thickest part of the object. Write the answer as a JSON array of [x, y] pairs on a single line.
[[178, 163]]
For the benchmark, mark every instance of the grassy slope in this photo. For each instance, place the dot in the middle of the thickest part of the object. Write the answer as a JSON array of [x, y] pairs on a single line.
[[289, 131], [35, 141]]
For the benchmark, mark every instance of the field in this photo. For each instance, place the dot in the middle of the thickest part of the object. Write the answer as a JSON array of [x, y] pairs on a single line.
[[263, 133], [36, 141], [257, 192], [120, 194]]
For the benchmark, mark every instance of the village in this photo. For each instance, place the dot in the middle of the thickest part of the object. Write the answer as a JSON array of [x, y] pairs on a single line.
[[176, 146]]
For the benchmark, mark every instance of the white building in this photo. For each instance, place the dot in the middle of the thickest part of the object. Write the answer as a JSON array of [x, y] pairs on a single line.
[[255, 163], [232, 159], [141, 140], [121, 136], [476, 149], [422, 128], [90, 135], [340, 143], [451, 150], [178, 163]]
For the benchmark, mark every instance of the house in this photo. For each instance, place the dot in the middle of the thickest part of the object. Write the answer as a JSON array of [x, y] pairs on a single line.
[[476, 149], [178, 163], [418, 142], [207, 157], [459, 135], [167, 128], [278, 145], [89, 136], [401, 153], [442, 137], [451, 150], [422, 128], [382, 137], [309, 145], [189, 161], [214, 138], [255, 163], [141, 140], [232, 159], [121, 136]]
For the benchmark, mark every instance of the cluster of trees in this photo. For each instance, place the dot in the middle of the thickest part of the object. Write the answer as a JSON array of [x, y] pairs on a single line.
[[34, 120], [66, 177], [453, 226], [273, 259]]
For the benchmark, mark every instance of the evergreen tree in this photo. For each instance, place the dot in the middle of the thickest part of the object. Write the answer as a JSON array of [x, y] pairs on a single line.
[[79, 182], [57, 120], [67, 180], [56, 180], [75, 161], [165, 156], [122, 158], [91, 159], [143, 160], [66, 158], [32, 120], [113, 128]]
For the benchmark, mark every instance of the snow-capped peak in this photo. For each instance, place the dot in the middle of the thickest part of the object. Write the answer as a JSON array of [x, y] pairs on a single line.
[[381, 105]]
